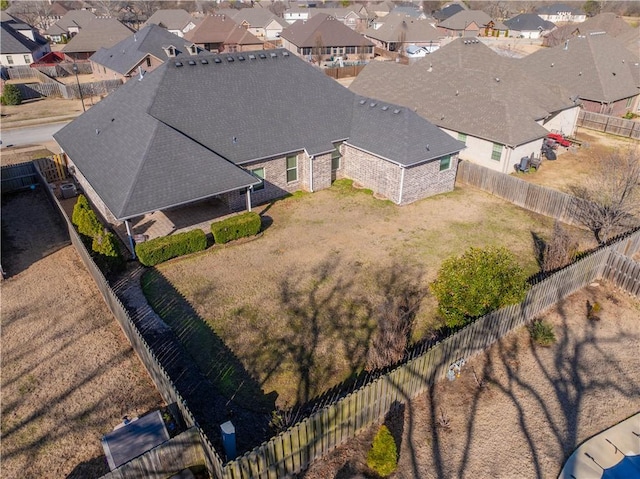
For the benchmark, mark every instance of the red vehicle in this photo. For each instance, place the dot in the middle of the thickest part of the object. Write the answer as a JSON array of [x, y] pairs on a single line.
[[559, 139]]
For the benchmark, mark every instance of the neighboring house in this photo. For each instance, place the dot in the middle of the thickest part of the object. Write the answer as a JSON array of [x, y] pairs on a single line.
[[167, 141], [413, 12], [139, 53], [447, 11], [69, 25], [597, 67], [609, 23], [400, 31], [560, 12], [219, 33], [472, 23], [258, 21], [528, 25], [478, 97], [20, 44], [322, 37], [414, 51], [177, 21], [101, 32], [352, 18]]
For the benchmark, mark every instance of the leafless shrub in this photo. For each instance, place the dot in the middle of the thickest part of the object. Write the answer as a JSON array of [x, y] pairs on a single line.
[[443, 420], [559, 250]]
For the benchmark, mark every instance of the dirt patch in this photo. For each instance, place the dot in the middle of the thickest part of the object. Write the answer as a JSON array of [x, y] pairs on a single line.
[[68, 373], [535, 406], [576, 163], [17, 155]]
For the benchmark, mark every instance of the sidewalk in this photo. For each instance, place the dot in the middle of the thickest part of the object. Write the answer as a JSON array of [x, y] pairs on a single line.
[[8, 125]]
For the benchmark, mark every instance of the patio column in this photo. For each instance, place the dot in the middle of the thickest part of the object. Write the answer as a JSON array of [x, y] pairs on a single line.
[[131, 245], [249, 198]]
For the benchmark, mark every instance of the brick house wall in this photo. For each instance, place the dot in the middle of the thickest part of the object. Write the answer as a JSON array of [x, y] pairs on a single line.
[[372, 172], [321, 172], [91, 194], [426, 179], [617, 108], [103, 73]]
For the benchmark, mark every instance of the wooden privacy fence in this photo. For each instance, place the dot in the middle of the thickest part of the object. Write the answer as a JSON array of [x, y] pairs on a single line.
[[294, 449], [17, 177], [540, 199], [343, 72], [609, 124]]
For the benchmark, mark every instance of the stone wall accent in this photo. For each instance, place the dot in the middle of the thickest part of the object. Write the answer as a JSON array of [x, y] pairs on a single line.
[[372, 172], [426, 179]]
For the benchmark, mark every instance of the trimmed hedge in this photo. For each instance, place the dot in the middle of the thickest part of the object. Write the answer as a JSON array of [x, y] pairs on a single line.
[[157, 250], [240, 226]]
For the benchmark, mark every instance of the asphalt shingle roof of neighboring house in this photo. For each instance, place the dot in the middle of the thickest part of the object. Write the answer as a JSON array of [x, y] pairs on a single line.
[[529, 22], [489, 99], [73, 18], [596, 67], [610, 23], [256, 17], [125, 55], [559, 7], [397, 25], [448, 11], [100, 32], [12, 41], [166, 140], [171, 19], [304, 33], [221, 29], [462, 19]]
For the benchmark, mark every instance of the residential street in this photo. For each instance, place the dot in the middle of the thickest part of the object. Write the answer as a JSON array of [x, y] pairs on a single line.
[[31, 135]]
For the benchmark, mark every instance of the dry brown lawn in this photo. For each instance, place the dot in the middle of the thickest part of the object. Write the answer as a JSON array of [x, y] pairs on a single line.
[[535, 406], [43, 108], [299, 305], [68, 373]]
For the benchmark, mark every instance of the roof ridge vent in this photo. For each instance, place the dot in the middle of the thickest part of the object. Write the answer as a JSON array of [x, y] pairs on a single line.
[[192, 62], [273, 55], [262, 56], [252, 56], [372, 104], [285, 54], [230, 58], [217, 60], [178, 64], [204, 61], [396, 111], [240, 58], [385, 108], [363, 101]]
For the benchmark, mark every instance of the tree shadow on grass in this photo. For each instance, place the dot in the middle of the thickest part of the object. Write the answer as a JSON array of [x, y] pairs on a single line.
[[236, 395]]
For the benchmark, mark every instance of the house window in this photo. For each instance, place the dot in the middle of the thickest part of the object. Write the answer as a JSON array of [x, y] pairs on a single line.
[[292, 168], [496, 154], [445, 163], [306, 50], [148, 62], [9, 59], [258, 173], [335, 157], [350, 50], [462, 137], [27, 59]]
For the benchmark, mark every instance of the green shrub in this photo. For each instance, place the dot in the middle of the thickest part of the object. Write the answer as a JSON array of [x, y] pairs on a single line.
[[383, 455], [542, 333], [162, 249], [240, 226], [476, 283], [11, 95], [85, 219]]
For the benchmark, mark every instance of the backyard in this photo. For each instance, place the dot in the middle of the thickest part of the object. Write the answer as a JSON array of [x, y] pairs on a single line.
[[288, 315]]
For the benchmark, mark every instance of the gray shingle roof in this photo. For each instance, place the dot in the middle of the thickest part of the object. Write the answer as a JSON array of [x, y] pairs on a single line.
[[221, 29], [100, 32], [596, 67], [13, 42], [460, 20], [171, 19], [256, 17], [170, 139], [528, 22], [465, 96], [73, 18], [412, 29], [125, 55], [303, 33], [559, 7]]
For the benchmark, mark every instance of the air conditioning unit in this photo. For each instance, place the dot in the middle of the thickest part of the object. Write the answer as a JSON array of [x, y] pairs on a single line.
[[68, 190]]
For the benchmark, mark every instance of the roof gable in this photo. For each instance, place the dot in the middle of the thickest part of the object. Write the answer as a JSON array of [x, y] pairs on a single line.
[[528, 22], [100, 32], [171, 19], [221, 29], [305, 33]]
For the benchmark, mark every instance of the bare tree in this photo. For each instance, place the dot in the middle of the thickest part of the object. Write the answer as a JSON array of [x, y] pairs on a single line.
[[318, 50], [35, 13], [609, 201]]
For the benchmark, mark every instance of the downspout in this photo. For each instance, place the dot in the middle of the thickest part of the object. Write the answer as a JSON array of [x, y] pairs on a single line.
[[249, 198], [402, 170], [311, 174], [131, 245], [506, 165]]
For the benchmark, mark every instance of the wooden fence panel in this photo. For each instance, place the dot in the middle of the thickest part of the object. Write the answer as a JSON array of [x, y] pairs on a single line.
[[609, 124], [18, 177]]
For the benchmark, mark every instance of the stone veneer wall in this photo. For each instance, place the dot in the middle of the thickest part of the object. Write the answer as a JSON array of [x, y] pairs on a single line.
[[372, 172]]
